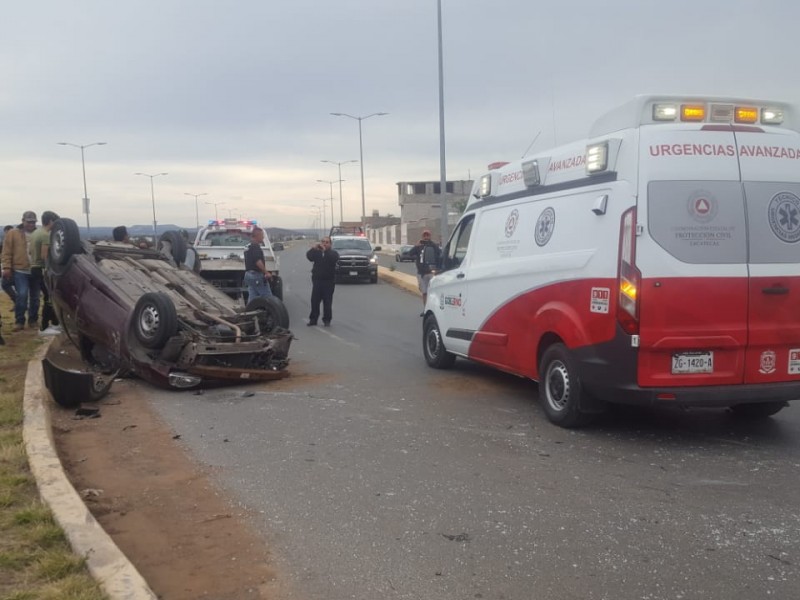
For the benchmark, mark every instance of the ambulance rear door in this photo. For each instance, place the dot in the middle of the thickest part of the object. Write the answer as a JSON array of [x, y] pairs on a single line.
[[770, 170], [691, 251]]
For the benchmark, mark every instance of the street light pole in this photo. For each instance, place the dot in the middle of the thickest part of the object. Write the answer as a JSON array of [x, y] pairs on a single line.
[[83, 168], [442, 174], [216, 212], [361, 156], [196, 209], [339, 164], [153, 198], [331, 199]]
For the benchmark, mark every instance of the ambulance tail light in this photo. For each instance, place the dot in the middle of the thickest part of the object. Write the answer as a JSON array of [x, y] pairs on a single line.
[[629, 278], [596, 158]]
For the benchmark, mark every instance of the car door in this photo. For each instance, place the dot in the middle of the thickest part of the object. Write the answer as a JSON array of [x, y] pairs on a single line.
[[771, 183], [448, 295]]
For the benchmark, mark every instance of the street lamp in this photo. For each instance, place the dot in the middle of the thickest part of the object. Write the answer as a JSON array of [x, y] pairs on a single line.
[[83, 167], [331, 200], [153, 197], [216, 211], [361, 155], [196, 210], [339, 164]]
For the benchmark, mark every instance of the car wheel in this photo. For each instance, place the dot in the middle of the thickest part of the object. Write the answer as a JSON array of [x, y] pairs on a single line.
[[273, 313], [760, 410], [173, 245], [436, 355], [276, 285], [155, 320], [65, 241], [560, 389], [192, 261]]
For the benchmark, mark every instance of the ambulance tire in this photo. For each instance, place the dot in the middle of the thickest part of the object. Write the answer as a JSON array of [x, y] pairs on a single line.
[[560, 389], [760, 410], [436, 355]]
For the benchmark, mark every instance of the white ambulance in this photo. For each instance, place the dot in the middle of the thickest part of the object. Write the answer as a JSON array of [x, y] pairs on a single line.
[[656, 262]]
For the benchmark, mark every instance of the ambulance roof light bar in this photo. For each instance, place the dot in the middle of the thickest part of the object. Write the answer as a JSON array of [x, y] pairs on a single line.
[[716, 112], [596, 157]]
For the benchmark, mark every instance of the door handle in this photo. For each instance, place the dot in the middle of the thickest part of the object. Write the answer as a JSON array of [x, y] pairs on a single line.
[[775, 290], [462, 275]]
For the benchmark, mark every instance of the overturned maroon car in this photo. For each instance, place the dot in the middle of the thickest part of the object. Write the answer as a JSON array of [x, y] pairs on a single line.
[[148, 312]]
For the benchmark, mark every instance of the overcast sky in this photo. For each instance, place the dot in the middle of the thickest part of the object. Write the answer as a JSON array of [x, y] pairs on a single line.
[[233, 99]]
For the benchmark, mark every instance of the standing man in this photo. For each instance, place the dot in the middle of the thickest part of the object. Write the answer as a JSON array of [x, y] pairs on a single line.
[[8, 284], [17, 268], [323, 280], [40, 244], [427, 256], [256, 276]]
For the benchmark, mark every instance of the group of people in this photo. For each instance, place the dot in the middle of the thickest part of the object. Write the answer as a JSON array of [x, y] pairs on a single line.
[[426, 253], [24, 252]]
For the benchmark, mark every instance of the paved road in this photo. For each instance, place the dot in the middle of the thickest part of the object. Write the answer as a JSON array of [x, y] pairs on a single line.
[[376, 477]]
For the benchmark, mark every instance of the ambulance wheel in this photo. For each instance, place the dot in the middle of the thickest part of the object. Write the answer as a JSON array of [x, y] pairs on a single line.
[[436, 355], [560, 389], [761, 410]]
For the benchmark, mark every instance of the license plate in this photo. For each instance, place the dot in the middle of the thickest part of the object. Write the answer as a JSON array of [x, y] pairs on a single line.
[[353, 273], [692, 362]]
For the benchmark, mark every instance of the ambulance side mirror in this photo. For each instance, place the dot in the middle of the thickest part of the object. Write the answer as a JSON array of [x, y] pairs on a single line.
[[600, 204]]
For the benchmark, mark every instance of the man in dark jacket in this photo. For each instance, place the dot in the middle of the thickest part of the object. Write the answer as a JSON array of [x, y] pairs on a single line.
[[427, 255], [323, 280]]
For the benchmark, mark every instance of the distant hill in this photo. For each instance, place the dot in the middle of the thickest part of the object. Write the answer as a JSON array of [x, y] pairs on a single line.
[[274, 233]]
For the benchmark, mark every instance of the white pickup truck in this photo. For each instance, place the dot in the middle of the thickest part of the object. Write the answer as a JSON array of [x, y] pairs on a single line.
[[220, 247]]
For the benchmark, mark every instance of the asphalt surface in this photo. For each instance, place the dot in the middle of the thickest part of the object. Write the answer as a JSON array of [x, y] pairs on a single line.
[[374, 476], [377, 477]]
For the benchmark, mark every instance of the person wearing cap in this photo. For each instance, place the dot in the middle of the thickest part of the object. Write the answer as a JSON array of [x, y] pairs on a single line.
[[427, 256], [39, 247], [17, 268]]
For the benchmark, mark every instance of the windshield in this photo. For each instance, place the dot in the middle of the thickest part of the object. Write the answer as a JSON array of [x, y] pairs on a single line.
[[352, 244], [227, 238]]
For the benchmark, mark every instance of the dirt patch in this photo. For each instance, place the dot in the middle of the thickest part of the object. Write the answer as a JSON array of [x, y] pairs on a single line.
[[161, 509]]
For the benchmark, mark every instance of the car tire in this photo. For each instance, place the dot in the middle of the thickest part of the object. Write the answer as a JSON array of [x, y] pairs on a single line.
[[173, 245], [760, 410], [560, 388], [192, 260], [276, 285], [436, 355], [275, 314], [101, 385], [155, 320], [65, 241]]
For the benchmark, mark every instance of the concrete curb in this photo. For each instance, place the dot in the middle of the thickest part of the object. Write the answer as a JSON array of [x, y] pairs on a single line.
[[401, 280], [108, 565]]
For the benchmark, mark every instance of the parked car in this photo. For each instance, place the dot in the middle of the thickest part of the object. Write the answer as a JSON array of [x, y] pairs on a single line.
[[148, 312], [277, 246], [402, 255]]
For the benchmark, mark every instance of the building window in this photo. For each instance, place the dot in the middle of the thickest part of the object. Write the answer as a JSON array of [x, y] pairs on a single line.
[[448, 186]]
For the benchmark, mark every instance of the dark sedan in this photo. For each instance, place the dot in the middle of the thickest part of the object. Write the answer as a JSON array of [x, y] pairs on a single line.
[[146, 311]]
